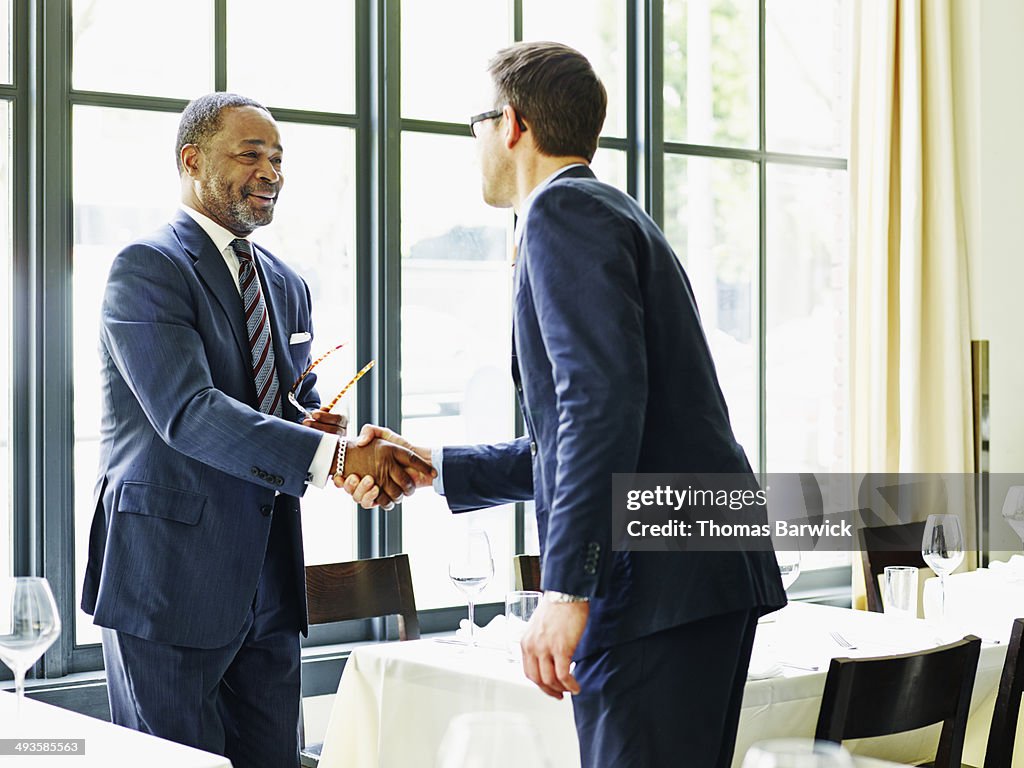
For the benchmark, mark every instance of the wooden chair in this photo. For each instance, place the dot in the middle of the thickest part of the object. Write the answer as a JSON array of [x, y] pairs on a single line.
[[527, 569], [361, 589], [888, 545], [1001, 735], [877, 696]]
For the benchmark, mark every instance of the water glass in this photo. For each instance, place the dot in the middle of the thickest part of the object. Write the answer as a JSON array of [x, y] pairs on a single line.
[[519, 607], [900, 596]]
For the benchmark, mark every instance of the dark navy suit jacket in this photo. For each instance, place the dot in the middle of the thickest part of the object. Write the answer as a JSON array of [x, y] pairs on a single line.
[[189, 469], [614, 374]]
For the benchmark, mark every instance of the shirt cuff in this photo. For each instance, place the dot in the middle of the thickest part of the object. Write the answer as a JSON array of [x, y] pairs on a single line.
[[320, 467], [437, 459]]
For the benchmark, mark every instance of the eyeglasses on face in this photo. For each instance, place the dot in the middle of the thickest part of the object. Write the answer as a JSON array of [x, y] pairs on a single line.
[[492, 115]]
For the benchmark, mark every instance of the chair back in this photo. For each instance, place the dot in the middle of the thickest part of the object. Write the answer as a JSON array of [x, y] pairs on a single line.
[[891, 694], [363, 589], [887, 545], [999, 752], [527, 569]]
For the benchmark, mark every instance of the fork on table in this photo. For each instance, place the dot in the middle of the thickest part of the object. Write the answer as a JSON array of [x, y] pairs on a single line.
[[842, 640]]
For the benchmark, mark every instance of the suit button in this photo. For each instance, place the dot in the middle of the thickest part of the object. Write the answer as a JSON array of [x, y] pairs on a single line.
[[266, 509], [255, 471], [533, 448], [279, 481]]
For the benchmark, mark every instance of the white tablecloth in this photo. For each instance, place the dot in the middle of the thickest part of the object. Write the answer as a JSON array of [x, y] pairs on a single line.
[[106, 745], [395, 700], [984, 602]]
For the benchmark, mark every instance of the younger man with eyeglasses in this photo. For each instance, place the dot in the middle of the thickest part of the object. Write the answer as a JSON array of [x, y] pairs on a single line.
[[613, 375]]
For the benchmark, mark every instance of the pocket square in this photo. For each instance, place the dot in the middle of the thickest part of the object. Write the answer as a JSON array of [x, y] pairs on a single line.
[[298, 338]]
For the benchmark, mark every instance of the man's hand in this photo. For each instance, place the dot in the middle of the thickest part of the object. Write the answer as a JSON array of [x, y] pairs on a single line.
[[397, 467], [551, 638], [325, 421], [364, 488]]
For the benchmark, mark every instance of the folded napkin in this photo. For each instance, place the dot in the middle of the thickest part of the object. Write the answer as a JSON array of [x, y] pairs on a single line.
[[491, 636]]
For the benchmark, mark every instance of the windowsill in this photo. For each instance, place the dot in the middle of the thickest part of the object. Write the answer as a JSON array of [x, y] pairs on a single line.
[[70, 681]]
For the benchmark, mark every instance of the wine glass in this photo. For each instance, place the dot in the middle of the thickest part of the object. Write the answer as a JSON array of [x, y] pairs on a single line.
[[471, 568], [1013, 511], [943, 550], [28, 626], [789, 566], [797, 753]]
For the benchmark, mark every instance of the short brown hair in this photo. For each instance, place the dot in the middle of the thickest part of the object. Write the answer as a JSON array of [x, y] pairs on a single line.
[[553, 88]]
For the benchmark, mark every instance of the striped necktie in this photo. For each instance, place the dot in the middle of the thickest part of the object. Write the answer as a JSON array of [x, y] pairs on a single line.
[[257, 323]]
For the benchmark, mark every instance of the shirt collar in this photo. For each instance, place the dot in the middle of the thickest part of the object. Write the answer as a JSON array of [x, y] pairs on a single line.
[[221, 237], [521, 218]]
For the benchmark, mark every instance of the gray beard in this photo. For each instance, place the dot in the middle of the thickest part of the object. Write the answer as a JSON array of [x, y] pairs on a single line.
[[232, 212]]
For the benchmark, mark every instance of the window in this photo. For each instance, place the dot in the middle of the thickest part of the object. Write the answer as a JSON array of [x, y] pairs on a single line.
[[456, 277], [112, 54], [456, 282], [280, 75], [754, 197], [755, 206], [734, 139], [113, 203]]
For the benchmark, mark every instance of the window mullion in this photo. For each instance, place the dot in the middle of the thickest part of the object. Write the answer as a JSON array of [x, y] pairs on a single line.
[[51, 402]]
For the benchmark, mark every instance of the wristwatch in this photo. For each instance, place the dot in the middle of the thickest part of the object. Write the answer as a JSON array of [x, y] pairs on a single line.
[[551, 596]]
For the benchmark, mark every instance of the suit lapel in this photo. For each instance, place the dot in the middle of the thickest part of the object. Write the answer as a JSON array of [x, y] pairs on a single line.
[[521, 276], [215, 274]]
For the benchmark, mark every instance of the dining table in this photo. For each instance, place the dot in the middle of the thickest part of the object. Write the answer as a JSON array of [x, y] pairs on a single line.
[[41, 734], [396, 700]]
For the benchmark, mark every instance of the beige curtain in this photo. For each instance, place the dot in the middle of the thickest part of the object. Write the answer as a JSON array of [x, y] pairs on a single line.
[[910, 358]]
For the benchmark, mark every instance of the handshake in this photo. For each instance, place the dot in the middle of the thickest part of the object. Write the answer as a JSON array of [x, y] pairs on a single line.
[[381, 467]]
